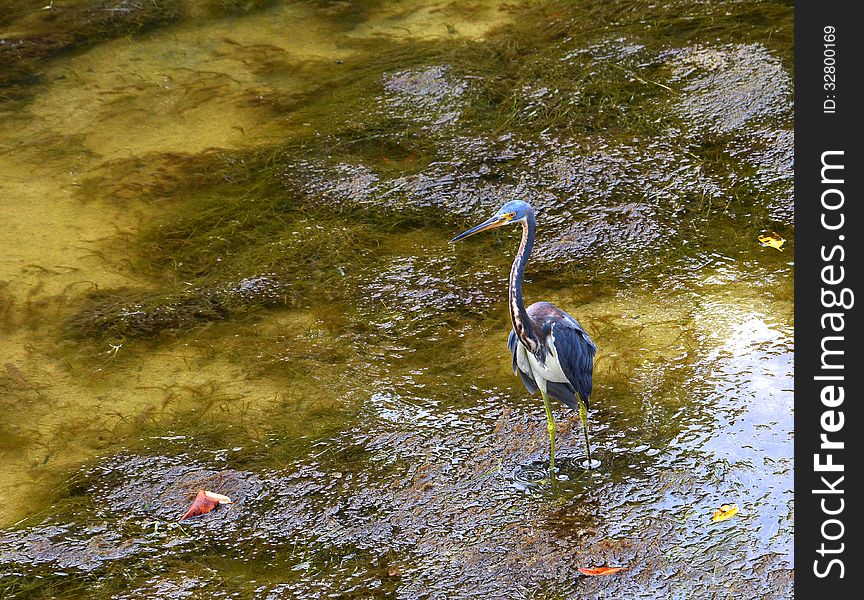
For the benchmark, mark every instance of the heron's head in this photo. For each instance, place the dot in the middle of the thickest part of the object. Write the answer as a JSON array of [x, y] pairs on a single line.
[[515, 211]]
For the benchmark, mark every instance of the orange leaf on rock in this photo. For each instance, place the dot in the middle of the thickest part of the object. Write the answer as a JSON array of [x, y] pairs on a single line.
[[600, 570], [205, 502], [726, 511]]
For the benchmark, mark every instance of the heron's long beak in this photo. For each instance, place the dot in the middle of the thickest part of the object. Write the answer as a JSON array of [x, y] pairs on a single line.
[[496, 221]]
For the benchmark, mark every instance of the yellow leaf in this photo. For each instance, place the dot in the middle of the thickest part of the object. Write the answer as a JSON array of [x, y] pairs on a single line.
[[773, 240], [726, 511]]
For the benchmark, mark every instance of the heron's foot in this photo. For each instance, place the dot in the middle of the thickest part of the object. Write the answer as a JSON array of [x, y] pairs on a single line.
[[551, 477], [588, 465], [554, 476], [557, 476]]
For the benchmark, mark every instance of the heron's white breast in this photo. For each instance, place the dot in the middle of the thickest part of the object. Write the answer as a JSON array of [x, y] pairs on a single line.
[[548, 371]]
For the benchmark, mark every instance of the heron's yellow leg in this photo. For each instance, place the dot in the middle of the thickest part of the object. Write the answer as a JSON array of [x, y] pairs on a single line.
[[583, 416], [550, 427]]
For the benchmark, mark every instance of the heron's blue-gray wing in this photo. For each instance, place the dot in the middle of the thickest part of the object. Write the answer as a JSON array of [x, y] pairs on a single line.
[[527, 379], [575, 352]]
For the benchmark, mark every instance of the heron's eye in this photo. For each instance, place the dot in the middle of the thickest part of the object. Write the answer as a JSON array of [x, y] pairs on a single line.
[[510, 215]]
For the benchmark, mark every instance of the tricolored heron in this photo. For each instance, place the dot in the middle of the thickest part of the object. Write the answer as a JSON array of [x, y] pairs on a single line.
[[551, 351]]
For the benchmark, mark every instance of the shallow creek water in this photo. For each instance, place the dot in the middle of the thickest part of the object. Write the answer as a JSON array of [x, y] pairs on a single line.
[[226, 266]]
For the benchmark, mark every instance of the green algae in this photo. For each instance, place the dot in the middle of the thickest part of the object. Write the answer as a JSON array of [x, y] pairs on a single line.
[[39, 34], [35, 32], [348, 132]]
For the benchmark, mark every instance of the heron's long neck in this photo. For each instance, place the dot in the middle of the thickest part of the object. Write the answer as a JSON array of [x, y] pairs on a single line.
[[521, 321]]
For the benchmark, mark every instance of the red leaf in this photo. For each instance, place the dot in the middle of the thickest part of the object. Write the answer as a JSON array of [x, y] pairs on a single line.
[[205, 502], [600, 570]]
